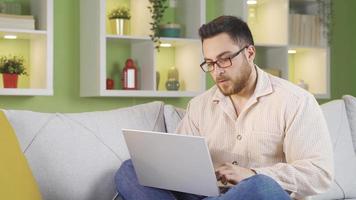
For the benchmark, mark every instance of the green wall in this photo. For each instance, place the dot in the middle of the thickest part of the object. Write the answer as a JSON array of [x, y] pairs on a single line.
[[343, 53], [66, 65]]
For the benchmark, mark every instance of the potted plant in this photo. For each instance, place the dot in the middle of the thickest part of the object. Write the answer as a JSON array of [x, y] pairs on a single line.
[[11, 67], [157, 8], [118, 18]]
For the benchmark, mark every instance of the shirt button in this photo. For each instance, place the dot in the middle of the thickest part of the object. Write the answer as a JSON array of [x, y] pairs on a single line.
[[239, 137]]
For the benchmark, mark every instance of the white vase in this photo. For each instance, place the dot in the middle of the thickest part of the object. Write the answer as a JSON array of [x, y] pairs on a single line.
[[119, 26]]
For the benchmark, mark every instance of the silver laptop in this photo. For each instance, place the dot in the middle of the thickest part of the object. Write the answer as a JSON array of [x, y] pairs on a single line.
[[173, 162]]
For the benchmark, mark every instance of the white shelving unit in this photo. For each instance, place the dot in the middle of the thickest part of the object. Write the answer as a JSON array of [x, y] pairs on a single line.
[[275, 33], [101, 51], [311, 62], [269, 20], [37, 46]]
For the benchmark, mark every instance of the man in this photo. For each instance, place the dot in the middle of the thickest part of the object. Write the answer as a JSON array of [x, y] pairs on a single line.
[[268, 138]]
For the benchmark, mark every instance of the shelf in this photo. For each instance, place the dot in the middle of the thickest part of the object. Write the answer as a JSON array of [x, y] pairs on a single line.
[[268, 20], [148, 93], [21, 32], [275, 33], [185, 53], [141, 51], [127, 37], [273, 58], [25, 92], [187, 13], [141, 39], [306, 24], [311, 66], [35, 46], [140, 15]]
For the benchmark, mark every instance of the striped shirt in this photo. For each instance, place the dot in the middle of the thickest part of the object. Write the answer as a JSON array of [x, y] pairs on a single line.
[[281, 132]]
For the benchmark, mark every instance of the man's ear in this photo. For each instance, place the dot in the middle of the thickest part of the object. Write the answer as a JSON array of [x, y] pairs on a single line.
[[250, 53]]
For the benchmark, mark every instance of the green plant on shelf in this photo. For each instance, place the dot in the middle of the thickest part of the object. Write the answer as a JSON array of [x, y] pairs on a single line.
[[157, 9], [121, 12], [12, 65]]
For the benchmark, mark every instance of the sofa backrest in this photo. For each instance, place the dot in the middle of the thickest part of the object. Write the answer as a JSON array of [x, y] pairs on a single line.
[[344, 157], [172, 117], [75, 156], [350, 104]]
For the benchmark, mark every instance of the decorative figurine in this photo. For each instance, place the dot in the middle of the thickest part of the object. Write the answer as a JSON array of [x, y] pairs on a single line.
[[172, 82], [129, 76]]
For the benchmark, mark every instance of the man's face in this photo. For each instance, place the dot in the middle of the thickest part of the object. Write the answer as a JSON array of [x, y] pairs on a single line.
[[233, 79]]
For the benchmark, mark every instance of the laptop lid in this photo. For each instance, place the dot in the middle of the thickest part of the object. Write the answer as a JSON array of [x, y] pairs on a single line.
[[171, 161]]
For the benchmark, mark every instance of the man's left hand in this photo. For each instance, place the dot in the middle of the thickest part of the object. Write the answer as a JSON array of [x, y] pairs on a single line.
[[230, 173]]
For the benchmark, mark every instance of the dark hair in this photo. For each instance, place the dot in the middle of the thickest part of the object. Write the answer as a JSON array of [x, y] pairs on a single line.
[[236, 28]]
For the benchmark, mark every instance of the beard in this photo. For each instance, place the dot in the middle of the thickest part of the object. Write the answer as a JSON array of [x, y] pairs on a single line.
[[234, 85]]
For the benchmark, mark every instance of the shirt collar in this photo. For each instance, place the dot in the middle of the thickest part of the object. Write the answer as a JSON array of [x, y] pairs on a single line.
[[263, 87]]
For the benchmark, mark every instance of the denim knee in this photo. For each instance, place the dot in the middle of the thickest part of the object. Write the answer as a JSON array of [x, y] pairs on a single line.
[[126, 169], [260, 178], [126, 165], [264, 187]]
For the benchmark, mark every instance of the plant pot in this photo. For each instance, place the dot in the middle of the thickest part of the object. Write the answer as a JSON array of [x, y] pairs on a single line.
[[170, 30], [10, 80], [120, 26]]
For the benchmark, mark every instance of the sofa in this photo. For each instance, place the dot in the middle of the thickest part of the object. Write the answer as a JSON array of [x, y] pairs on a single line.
[[340, 116], [74, 156]]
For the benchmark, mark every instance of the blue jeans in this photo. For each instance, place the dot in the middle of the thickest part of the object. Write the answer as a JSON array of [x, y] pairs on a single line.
[[258, 187]]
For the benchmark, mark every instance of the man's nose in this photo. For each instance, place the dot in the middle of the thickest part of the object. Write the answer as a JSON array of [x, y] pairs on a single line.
[[218, 70]]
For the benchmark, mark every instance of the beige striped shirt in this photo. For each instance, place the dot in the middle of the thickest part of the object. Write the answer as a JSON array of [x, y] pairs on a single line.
[[281, 132]]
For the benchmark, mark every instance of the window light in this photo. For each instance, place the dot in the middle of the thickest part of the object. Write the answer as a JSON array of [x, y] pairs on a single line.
[[165, 45], [10, 37], [292, 51], [251, 2]]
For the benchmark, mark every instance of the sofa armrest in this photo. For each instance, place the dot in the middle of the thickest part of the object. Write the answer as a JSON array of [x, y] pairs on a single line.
[[350, 105]]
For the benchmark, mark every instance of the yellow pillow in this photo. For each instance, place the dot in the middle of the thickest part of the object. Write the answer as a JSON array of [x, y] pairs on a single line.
[[16, 180]]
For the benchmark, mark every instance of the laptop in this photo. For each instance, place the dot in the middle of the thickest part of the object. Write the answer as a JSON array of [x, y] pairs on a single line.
[[171, 161]]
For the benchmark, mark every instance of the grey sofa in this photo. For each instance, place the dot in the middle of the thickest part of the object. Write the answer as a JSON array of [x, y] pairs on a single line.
[[341, 119], [75, 156]]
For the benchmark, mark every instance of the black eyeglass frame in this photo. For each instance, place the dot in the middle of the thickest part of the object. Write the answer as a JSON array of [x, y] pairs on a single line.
[[215, 63]]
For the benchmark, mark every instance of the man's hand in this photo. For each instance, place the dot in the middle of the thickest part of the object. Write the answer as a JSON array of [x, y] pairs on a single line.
[[230, 173]]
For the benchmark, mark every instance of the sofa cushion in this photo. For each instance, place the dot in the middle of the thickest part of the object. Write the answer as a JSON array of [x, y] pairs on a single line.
[[16, 179], [172, 117], [75, 156], [344, 158], [350, 103]]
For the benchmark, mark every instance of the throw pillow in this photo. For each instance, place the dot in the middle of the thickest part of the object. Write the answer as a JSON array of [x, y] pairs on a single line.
[[76, 155], [172, 117], [16, 180], [350, 103]]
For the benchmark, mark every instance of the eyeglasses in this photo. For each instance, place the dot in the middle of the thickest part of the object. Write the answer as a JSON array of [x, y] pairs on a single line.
[[221, 62]]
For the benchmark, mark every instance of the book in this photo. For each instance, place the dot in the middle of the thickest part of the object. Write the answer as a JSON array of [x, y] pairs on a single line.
[[305, 30], [10, 21]]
